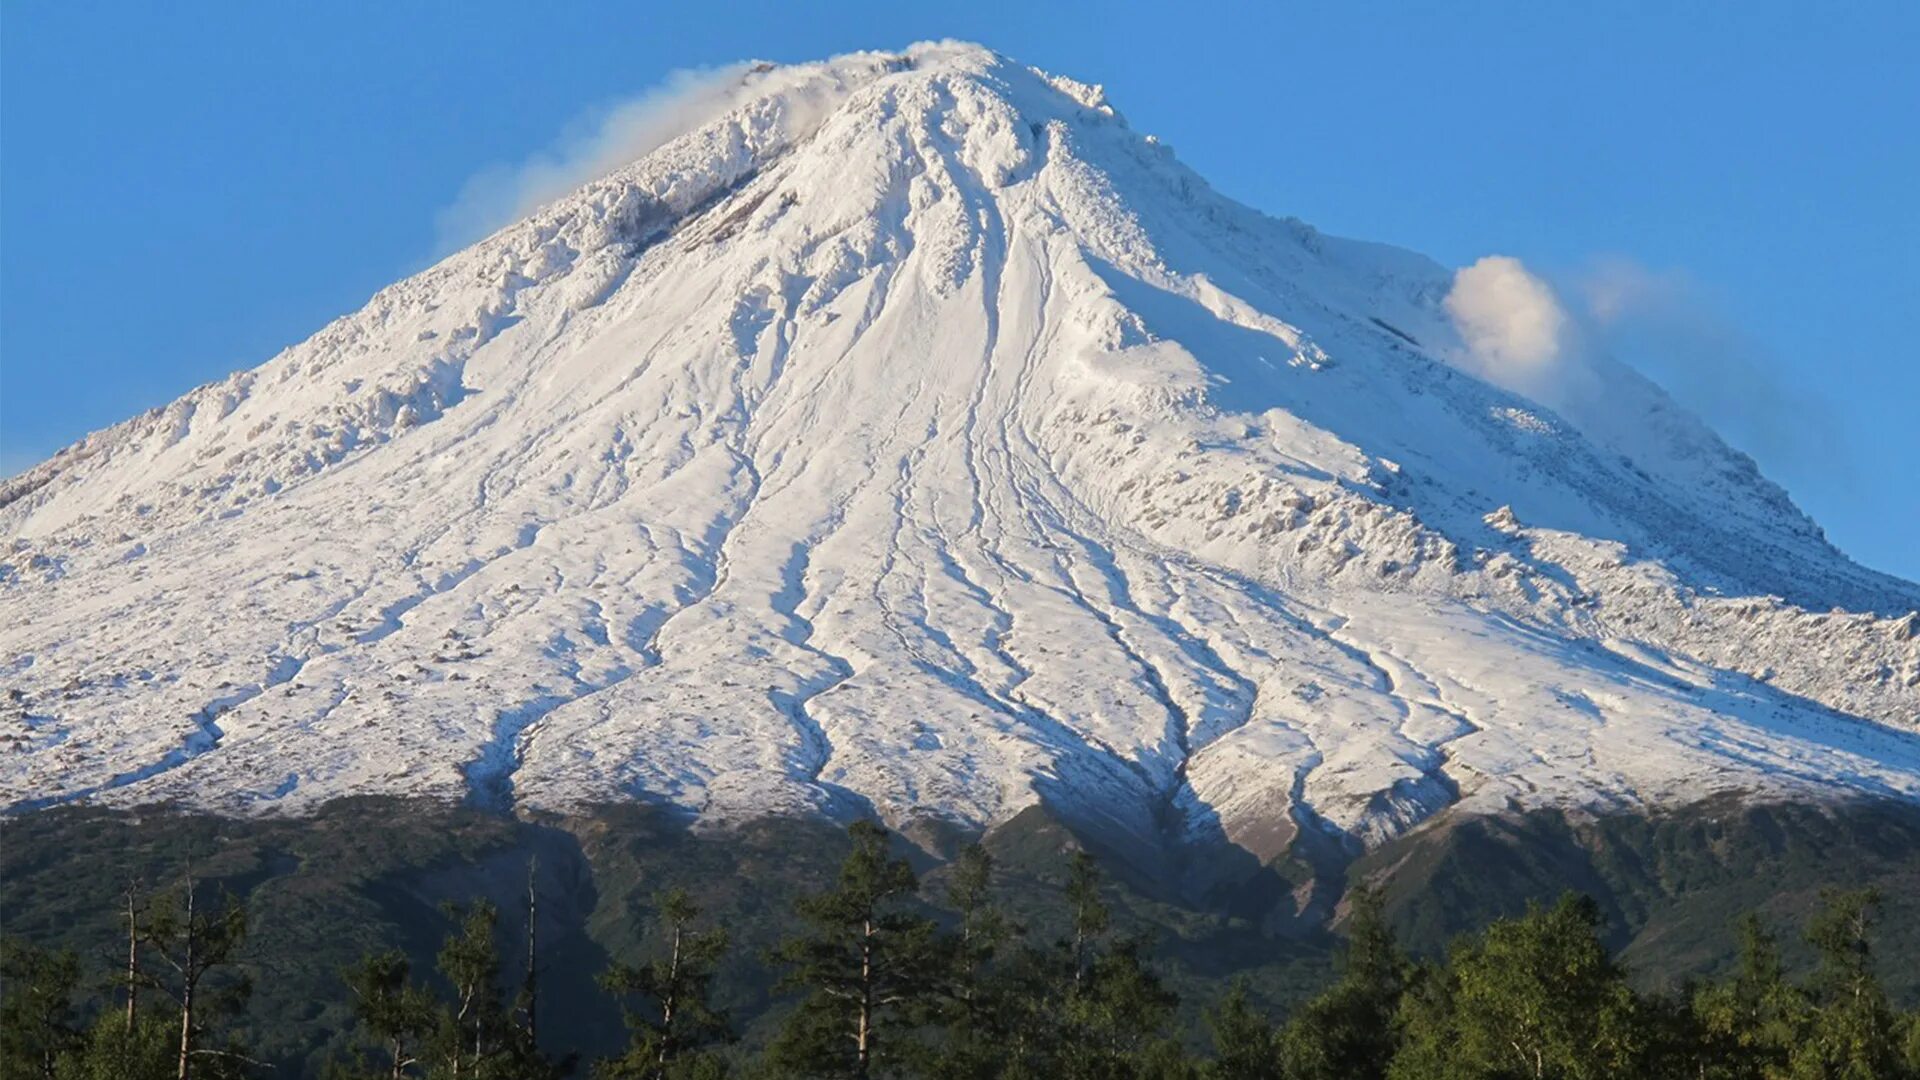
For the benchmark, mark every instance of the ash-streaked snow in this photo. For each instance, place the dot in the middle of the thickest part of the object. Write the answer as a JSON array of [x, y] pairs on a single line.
[[918, 438]]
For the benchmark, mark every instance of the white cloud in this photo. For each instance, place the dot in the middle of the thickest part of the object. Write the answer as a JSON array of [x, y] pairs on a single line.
[[1518, 333], [591, 147], [1667, 326], [1515, 330], [609, 138]]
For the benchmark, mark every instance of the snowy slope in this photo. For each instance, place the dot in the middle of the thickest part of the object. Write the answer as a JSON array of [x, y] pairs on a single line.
[[918, 438]]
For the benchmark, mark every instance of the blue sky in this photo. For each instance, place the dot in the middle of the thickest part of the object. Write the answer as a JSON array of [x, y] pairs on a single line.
[[185, 189]]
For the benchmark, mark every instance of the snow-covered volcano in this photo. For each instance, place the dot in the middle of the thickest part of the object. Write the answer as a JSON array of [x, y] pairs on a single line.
[[917, 438]]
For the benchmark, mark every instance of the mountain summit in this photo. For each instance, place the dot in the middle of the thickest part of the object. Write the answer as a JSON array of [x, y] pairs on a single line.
[[916, 438]]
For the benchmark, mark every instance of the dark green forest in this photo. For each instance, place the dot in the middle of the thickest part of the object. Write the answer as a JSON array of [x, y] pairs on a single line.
[[877, 972]]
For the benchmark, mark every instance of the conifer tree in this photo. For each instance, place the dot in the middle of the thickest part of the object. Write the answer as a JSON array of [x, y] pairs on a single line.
[[395, 1013], [1106, 1013], [1347, 1032], [140, 1039], [1090, 915], [981, 931], [471, 1034], [1117, 1017], [37, 1022], [673, 1027], [1852, 1033], [975, 1018], [868, 964], [472, 1031], [1243, 1041], [196, 948], [1745, 1026], [1424, 1022]]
